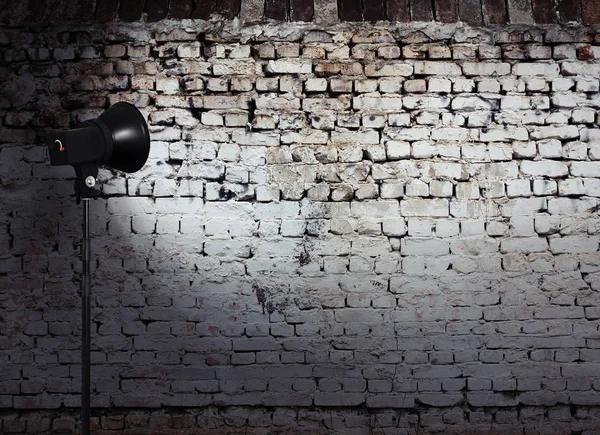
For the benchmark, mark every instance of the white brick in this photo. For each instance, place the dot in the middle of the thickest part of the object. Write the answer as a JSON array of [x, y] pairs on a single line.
[[388, 68], [437, 68], [455, 171], [416, 187], [587, 85], [179, 205], [584, 116], [585, 169], [350, 137], [518, 102], [555, 132], [289, 66], [423, 246], [524, 245], [536, 69], [524, 149], [479, 119], [453, 134], [544, 187], [252, 138], [189, 50], [446, 228], [468, 190], [488, 85], [292, 228], [165, 187], [143, 224], [486, 68], [419, 228], [396, 150], [574, 244], [507, 134], [394, 227], [439, 85], [167, 85], [523, 206], [462, 85], [515, 188], [130, 206], [410, 134], [572, 186], [212, 118], [571, 206], [522, 226], [363, 102], [590, 134], [426, 102], [473, 208], [592, 187], [424, 207], [547, 168], [476, 245], [441, 189], [550, 148], [315, 85], [500, 152], [392, 190]]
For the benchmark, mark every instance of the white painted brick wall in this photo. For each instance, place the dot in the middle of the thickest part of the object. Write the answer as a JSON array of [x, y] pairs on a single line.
[[329, 217]]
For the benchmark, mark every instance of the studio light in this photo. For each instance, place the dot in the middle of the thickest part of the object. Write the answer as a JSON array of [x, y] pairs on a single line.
[[119, 139]]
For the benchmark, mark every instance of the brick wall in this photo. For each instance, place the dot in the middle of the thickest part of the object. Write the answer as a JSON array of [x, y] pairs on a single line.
[[473, 12], [349, 229]]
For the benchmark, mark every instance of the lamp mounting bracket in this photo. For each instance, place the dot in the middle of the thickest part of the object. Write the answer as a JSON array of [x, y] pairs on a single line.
[[86, 181]]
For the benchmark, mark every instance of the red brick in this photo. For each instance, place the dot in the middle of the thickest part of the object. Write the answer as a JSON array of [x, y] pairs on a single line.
[[495, 12], [350, 10], [446, 11], [302, 10], [131, 10], [57, 11], [157, 9], [203, 9], [374, 10], [591, 11], [85, 13], [398, 10], [180, 9], [568, 10], [421, 10], [106, 10], [585, 53], [544, 11], [38, 11], [470, 12], [229, 8], [276, 9]]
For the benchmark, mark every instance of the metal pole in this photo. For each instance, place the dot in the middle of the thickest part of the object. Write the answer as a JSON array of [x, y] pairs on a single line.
[[85, 320]]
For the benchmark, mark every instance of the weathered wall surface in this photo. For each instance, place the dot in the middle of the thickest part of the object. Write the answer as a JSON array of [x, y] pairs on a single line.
[[354, 228]]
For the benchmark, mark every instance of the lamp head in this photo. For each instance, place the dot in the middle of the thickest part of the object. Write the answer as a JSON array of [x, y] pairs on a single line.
[[118, 138]]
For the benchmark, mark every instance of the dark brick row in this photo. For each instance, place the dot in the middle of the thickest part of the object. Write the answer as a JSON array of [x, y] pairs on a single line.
[[494, 12], [591, 11], [470, 12], [277, 9], [474, 12], [303, 10]]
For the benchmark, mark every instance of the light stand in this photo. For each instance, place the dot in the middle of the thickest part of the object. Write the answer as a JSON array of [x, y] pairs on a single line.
[[118, 138], [85, 320], [85, 189], [86, 281]]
